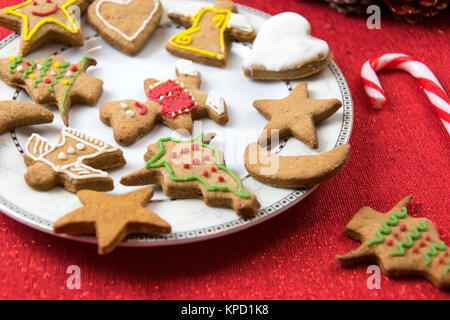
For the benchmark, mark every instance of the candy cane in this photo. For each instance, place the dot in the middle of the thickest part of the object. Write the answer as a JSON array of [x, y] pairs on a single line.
[[430, 85]]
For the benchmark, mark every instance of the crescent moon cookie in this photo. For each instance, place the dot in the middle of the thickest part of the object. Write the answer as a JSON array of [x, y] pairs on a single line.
[[401, 244], [125, 24], [14, 114], [112, 217], [193, 169], [285, 50], [294, 171], [75, 163], [175, 103], [53, 81], [295, 115], [210, 29], [42, 21]]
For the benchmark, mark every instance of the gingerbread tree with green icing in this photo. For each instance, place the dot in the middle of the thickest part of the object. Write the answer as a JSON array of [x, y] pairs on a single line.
[[53, 81], [193, 169], [401, 244]]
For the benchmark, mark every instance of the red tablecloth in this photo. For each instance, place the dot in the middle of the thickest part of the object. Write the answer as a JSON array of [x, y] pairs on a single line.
[[399, 150]]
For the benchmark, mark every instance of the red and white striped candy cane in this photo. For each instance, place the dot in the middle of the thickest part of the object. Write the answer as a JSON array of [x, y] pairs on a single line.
[[430, 85]]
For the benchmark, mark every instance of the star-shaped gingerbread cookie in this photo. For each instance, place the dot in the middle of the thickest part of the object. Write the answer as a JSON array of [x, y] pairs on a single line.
[[295, 115], [53, 81], [401, 244], [175, 103], [14, 114], [112, 217], [43, 21]]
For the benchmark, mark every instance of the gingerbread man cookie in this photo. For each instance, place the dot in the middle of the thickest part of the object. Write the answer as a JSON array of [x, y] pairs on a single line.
[[175, 103], [53, 81], [295, 115], [14, 114], [126, 25], [401, 244], [193, 169], [112, 217], [43, 21], [210, 29], [76, 162]]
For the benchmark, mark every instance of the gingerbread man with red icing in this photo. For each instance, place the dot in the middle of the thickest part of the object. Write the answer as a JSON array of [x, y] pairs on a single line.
[[175, 103]]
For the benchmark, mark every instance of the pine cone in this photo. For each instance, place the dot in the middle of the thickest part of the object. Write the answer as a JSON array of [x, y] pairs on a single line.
[[351, 6], [413, 11]]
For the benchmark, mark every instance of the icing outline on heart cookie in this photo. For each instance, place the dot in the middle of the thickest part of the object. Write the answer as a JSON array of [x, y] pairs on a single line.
[[126, 2]]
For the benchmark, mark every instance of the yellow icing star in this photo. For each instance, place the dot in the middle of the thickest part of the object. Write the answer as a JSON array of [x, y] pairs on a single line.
[[28, 34]]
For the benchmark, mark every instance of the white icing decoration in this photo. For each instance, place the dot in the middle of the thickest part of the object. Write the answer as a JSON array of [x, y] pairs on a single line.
[[76, 169], [238, 21], [52, 73], [68, 73], [186, 67], [125, 2], [62, 156], [80, 146], [241, 22], [129, 113], [215, 102], [285, 41], [123, 105], [19, 68], [71, 150], [39, 66]]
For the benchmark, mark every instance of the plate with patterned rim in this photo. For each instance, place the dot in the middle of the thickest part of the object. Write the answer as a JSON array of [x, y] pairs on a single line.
[[123, 76]]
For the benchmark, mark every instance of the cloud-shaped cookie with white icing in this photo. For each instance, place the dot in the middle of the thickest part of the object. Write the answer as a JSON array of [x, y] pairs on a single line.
[[284, 49]]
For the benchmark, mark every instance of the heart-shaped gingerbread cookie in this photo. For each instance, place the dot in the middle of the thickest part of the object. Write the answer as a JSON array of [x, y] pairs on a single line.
[[125, 24]]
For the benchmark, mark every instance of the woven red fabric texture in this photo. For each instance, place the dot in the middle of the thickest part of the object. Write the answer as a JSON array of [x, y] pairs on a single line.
[[400, 150]]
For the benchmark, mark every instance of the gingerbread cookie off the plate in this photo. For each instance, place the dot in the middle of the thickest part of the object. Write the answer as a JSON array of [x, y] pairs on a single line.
[[43, 21], [175, 103], [294, 171], [126, 25], [285, 50], [295, 115], [75, 163], [209, 31], [53, 81], [112, 217], [14, 114], [402, 245], [193, 169]]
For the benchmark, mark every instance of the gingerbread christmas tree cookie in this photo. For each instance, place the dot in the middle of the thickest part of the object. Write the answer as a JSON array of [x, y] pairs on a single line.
[[401, 244], [193, 169], [295, 115], [14, 114], [75, 163], [210, 29], [43, 21], [53, 81], [112, 217], [175, 103]]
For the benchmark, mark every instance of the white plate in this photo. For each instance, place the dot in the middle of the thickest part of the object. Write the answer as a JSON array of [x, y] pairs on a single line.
[[123, 76]]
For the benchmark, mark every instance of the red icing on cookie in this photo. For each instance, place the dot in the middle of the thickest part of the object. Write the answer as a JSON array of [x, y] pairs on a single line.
[[172, 98], [142, 108], [45, 13]]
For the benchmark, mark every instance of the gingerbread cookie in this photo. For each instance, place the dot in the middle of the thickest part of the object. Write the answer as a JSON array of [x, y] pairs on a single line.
[[285, 50], [42, 21], [193, 169], [295, 115], [14, 114], [402, 245], [53, 81], [76, 162], [209, 31], [112, 218], [294, 171], [175, 103], [126, 25]]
